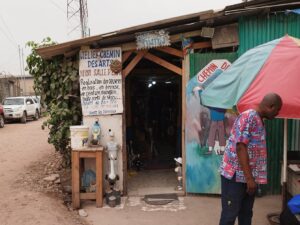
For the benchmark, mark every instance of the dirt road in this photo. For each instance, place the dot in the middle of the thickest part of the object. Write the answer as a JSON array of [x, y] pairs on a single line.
[[22, 145], [24, 152]]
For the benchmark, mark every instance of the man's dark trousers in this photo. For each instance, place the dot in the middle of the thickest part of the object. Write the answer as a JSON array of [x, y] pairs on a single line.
[[236, 202]]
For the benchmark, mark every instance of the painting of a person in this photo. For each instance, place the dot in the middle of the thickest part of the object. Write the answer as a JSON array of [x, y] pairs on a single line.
[[216, 131]]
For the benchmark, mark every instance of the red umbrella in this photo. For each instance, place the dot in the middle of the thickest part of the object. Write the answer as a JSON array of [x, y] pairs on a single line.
[[280, 74]]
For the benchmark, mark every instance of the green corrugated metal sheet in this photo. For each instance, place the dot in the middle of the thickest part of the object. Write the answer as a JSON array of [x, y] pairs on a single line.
[[198, 60], [296, 136], [254, 31]]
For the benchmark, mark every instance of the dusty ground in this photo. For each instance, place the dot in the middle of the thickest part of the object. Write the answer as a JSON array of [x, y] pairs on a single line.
[[191, 210], [25, 198], [25, 159]]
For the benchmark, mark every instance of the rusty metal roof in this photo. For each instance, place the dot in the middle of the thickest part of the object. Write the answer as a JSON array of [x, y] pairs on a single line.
[[176, 25]]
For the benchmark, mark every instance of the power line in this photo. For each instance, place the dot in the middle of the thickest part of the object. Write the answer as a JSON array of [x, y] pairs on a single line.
[[8, 38], [59, 7], [8, 34], [7, 28], [75, 28]]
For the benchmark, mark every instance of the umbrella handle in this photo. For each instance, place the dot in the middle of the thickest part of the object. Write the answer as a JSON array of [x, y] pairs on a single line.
[[285, 144]]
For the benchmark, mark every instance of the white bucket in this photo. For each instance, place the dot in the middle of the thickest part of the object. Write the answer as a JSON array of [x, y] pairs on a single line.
[[79, 137]]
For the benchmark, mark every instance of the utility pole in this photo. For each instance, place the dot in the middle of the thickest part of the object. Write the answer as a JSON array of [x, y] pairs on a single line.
[[77, 14], [23, 71]]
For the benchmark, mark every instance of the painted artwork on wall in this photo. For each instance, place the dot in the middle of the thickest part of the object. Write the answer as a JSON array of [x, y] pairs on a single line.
[[207, 130]]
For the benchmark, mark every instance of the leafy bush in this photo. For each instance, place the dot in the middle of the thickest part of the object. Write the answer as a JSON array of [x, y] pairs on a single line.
[[57, 81]]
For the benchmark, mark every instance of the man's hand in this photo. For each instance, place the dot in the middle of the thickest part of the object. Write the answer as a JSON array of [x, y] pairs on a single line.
[[251, 186]]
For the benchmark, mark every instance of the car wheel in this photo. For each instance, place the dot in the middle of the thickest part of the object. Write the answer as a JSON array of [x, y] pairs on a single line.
[[36, 115], [24, 118], [1, 121]]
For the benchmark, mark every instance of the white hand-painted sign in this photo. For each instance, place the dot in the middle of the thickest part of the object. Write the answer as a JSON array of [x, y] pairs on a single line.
[[100, 87]]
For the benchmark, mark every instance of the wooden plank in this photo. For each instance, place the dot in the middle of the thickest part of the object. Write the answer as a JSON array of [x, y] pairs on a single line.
[[81, 169], [127, 102], [85, 47], [185, 79], [89, 149], [163, 63], [84, 154], [126, 122], [199, 45], [133, 63], [225, 36], [207, 16], [131, 46], [171, 51], [211, 15], [75, 180], [125, 56], [91, 195], [71, 53], [99, 188], [58, 49], [178, 37]]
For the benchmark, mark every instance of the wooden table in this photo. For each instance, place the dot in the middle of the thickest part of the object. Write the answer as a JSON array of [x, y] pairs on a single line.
[[77, 154]]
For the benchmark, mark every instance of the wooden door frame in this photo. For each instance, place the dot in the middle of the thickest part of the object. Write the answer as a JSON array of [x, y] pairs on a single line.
[[184, 72]]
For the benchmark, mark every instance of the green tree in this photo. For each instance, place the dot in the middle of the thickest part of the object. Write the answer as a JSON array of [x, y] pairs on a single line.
[[57, 81]]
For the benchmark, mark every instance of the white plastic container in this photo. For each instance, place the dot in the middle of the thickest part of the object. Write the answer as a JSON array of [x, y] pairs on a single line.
[[79, 137]]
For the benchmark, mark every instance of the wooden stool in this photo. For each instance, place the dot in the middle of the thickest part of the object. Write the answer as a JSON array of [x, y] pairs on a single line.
[[77, 154]]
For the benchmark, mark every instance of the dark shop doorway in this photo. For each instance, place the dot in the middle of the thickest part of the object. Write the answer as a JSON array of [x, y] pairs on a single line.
[[153, 128]]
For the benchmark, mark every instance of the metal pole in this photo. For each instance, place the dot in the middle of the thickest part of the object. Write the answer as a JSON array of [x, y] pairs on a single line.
[[285, 143], [81, 18], [23, 71], [284, 184], [20, 65]]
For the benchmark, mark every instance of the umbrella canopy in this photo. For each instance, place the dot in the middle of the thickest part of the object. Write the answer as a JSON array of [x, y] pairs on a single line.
[[271, 67]]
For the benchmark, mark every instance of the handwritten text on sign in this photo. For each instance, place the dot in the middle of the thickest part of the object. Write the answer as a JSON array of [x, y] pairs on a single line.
[[100, 88]]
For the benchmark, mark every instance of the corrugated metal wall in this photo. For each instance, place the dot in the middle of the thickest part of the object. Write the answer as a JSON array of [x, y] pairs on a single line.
[[294, 135], [254, 31]]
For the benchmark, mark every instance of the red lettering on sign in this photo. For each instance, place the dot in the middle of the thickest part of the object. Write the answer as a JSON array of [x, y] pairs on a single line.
[[225, 66], [210, 69]]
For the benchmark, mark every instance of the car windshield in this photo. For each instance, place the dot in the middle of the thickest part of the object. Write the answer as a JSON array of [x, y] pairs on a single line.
[[14, 101]]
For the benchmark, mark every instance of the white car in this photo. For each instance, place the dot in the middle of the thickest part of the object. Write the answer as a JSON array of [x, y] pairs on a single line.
[[20, 108], [37, 101]]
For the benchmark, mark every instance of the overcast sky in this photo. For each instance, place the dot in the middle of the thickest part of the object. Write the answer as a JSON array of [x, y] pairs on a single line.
[[26, 20]]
